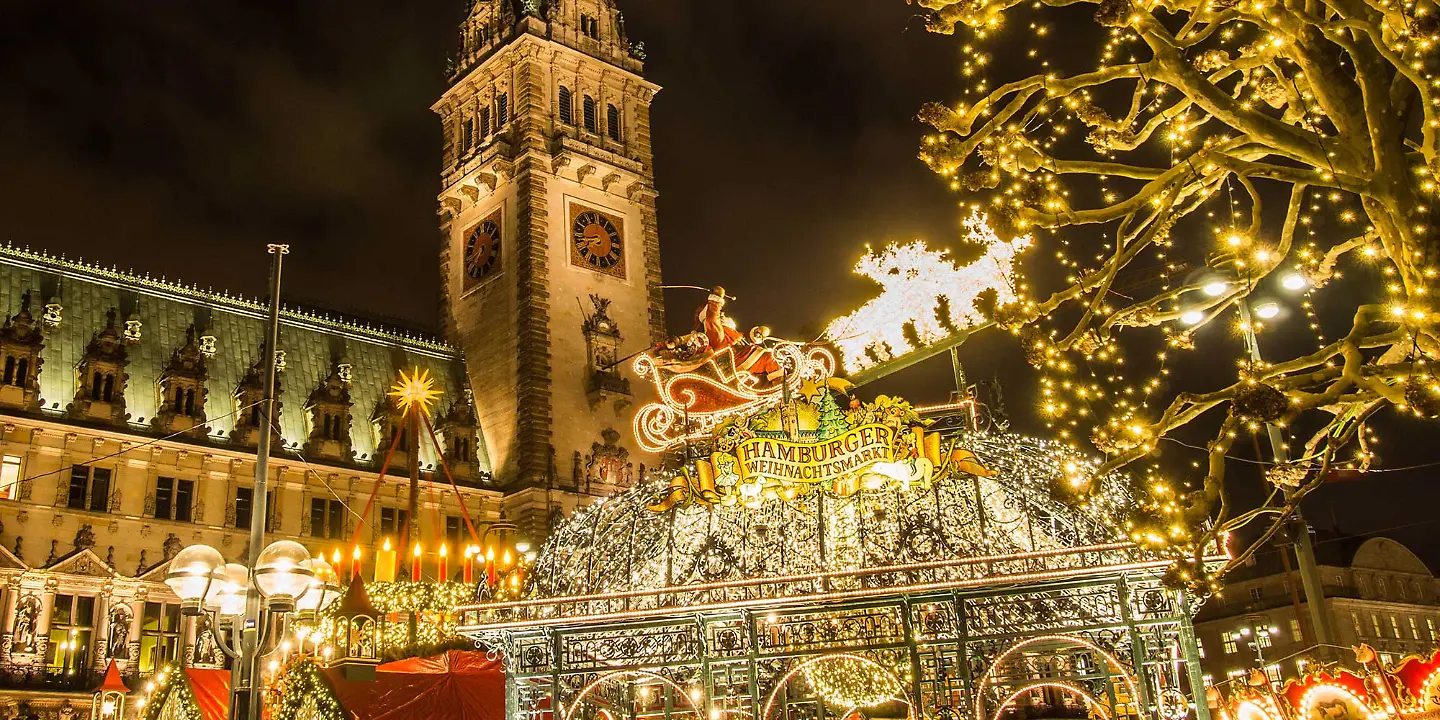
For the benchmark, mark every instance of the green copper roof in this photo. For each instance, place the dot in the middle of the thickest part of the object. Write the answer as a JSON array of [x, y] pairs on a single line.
[[311, 342]]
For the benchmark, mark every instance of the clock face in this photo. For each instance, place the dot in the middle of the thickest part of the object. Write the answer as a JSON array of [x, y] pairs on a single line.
[[597, 241], [482, 249]]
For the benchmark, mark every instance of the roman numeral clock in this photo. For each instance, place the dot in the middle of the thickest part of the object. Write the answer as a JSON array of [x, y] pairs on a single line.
[[597, 240], [482, 249]]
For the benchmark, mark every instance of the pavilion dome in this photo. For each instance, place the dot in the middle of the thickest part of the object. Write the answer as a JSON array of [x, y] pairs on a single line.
[[1006, 520]]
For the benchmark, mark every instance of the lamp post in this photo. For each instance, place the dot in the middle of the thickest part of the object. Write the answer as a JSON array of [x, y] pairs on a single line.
[[1304, 547], [1254, 634], [286, 584]]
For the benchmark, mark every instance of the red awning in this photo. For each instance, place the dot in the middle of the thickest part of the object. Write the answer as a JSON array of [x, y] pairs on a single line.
[[212, 692], [456, 685]]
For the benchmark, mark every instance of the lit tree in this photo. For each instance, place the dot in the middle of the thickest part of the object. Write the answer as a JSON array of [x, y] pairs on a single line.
[[831, 417], [1196, 114]]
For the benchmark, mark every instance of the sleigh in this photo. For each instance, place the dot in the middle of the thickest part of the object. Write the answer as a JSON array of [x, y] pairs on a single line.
[[697, 389]]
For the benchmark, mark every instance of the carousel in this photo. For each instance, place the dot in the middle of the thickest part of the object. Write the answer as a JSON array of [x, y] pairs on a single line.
[[813, 555]]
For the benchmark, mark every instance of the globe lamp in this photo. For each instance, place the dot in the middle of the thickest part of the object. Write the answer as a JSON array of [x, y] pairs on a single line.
[[230, 601], [192, 572], [282, 573]]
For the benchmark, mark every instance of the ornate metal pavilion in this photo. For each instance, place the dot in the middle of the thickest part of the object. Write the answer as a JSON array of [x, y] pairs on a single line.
[[974, 598]]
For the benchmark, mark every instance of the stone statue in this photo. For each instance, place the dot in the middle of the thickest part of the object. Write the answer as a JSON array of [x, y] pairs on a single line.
[[207, 651], [172, 546], [84, 537], [119, 637], [25, 616], [140, 567]]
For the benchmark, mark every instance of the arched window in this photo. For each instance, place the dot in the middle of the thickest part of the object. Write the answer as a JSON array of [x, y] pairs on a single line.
[[190, 401], [96, 384], [180, 400], [502, 110], [590, 119], [612, 122], [22, 372], [567, 109], [10, 371]]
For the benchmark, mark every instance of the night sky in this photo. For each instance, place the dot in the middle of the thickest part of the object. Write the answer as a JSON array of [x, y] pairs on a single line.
[[179, 138]]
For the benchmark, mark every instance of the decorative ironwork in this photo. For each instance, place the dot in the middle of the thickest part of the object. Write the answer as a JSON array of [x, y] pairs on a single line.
[[978, 594]]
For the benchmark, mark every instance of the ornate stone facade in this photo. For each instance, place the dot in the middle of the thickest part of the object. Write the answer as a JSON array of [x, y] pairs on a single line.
[[547, 144]]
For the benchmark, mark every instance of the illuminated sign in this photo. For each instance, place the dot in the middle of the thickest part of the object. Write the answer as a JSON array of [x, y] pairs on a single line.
[[770, 456], [761, 459]]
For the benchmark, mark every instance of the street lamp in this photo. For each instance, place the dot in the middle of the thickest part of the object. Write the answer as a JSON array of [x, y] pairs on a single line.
[[287, 582], [1269, 309]]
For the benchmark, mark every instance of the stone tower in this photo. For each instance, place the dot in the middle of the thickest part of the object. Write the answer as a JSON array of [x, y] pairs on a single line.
[[550, 258]]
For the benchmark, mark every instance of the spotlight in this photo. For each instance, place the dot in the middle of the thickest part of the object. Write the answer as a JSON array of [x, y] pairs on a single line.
[[1192, 317], [1293, 281], [1216, 288], [1267, 310]]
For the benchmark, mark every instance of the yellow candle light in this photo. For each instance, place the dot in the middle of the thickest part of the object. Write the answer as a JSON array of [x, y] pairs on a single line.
[[385, 563]]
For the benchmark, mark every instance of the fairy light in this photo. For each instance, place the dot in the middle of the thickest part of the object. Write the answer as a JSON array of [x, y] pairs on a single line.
[[1000, 151]]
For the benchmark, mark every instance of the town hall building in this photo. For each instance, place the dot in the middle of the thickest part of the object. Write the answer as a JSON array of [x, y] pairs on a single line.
[[128, 404]]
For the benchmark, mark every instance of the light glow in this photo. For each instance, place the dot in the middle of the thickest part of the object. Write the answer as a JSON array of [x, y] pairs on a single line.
[[914, 280]]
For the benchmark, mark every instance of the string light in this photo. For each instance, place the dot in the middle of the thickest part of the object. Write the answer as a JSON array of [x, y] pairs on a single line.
[[1158, 158]]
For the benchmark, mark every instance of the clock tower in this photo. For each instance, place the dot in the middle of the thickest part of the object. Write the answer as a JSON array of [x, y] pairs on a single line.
[[550, 259]]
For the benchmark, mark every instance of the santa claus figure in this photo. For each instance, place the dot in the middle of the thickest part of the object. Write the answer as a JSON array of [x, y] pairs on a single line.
[[719, 330]]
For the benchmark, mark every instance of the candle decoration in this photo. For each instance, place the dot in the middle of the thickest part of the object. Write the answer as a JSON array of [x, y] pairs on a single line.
[[385, 563]]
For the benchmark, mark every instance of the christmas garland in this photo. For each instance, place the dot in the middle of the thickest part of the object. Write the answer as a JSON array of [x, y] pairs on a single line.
[[303, 679], [432, 603], [169, 680]]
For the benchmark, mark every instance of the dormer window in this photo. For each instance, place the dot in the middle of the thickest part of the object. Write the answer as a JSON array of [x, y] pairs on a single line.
[[590, 27], [390, 428], [182, 388], [460, 433], [102, 386], [184, 402], [21, 341], [328, 412], [249, 394], [100, 376], [17, 370]]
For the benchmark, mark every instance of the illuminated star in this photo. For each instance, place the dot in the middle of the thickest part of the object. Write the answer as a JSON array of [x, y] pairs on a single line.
[[415, 390]]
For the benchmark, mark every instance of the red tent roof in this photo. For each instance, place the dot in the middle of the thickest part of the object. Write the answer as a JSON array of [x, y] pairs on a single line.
[[212, 692], [455, 685], [113, 682]]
